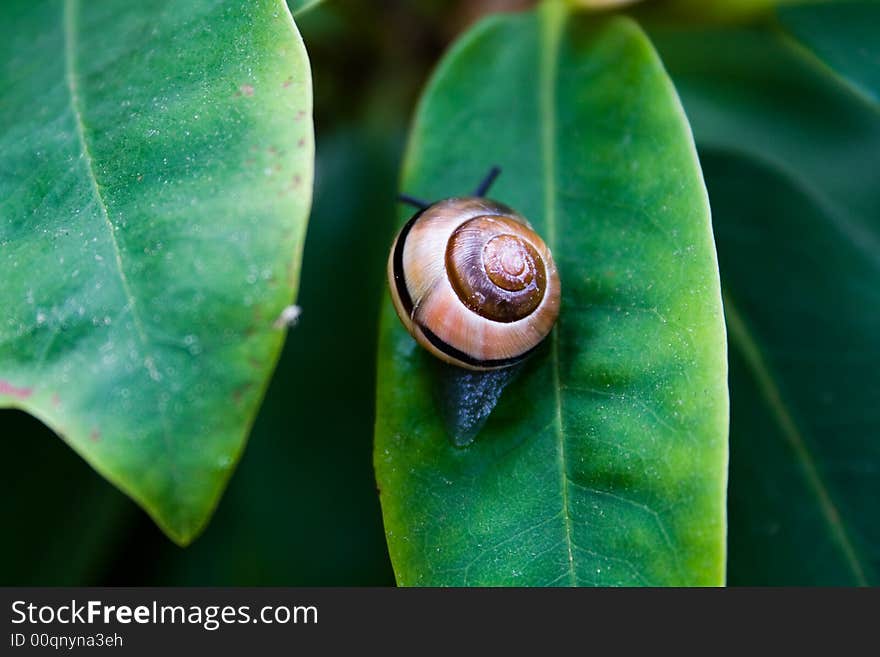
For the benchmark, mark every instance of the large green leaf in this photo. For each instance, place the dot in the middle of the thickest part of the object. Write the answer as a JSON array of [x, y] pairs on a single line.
[[844, 36], [605, 462], [791, 150], [156, 178]]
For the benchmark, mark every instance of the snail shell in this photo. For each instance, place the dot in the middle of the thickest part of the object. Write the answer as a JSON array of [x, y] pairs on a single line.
[[473, 283]]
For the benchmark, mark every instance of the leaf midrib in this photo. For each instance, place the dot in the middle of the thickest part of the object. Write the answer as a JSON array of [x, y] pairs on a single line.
[[75, 106], [69, 11], [548, 65]]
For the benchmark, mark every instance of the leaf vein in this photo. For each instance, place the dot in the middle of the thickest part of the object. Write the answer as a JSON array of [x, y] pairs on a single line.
[[809, 55], [70, 46], [742, 338], [639, 505], [69, 11], [548, 65]]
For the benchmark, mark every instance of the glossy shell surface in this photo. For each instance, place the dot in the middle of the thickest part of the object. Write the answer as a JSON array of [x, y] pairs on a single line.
[[473, 283]]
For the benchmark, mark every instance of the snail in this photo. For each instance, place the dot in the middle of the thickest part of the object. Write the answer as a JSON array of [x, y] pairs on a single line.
[[472, 282]]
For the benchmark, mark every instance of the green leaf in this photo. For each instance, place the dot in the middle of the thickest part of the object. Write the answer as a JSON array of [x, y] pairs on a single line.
[[605, 462], [156, 181], [844, 36], [335, 539], [601, 4], [791, 152], [713, 11], [298, 7]]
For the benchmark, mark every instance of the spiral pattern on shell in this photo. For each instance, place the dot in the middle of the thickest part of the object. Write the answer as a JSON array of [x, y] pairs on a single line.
[[473, 283]]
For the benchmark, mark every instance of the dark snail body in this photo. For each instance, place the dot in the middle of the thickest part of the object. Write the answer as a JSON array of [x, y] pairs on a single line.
[[473, 283]]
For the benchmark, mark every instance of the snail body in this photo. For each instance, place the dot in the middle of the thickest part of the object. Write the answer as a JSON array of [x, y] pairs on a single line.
[[473, 283]]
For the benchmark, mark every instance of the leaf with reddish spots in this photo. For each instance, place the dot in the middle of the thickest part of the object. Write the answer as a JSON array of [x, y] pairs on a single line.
[[140, 231], [7, 388]]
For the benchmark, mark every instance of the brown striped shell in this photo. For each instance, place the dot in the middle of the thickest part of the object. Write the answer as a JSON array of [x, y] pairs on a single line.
[[473, 283]]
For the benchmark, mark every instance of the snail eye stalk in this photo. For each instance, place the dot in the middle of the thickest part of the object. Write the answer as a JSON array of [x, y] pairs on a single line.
[[413, 201], [483, 188]]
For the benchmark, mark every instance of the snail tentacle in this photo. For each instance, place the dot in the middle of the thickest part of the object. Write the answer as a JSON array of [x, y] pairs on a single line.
[[483, 188]]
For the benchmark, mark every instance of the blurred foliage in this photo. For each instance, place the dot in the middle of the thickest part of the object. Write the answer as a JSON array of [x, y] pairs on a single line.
[[63, 522], [302, 508], [714, 12], [299, 7], [711, 11]]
